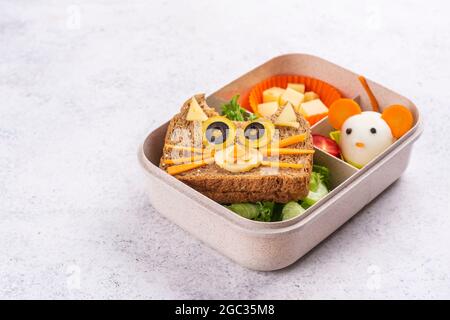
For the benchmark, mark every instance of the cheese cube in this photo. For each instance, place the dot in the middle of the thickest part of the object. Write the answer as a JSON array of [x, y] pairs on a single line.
[[293, 97], [314, 110], [195, 112], [297, 87], [287, 115], [272, 94], [309, 95], [267, 109], [313, 107]]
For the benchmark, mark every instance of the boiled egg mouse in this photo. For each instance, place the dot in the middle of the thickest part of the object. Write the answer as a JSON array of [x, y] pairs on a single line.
[[364, 135]]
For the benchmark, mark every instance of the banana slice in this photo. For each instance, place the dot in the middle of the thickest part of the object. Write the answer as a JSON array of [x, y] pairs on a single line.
[[241, 160]]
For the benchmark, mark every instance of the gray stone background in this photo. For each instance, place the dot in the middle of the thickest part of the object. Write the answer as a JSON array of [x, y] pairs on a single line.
[[83, 82]]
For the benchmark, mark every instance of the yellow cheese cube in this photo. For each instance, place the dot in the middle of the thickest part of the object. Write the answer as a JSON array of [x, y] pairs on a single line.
[[310, 95], [293, 97], [272, 94], [297, 87], [267, 109], [314, 110], [313, 107], [195, 112]]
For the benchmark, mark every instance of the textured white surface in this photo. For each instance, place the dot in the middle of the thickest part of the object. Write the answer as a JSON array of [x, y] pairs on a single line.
[[83, 82]]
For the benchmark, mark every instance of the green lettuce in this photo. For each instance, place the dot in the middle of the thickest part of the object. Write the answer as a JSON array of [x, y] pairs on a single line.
[[259, 211], [291, 210], [233, 111], [267, 211], [318, 186]]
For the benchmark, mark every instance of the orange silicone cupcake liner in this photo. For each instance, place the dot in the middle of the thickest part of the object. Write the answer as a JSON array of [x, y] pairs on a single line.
[[327, 93]]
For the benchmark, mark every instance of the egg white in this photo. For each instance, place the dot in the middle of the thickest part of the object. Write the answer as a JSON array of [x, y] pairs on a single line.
[[374, 143]]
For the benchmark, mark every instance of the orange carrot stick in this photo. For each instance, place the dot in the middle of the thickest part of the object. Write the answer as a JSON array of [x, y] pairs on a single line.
[[192, 149], [373, 100], [185, 159], [179, 168], [292, 140], [288, 151]]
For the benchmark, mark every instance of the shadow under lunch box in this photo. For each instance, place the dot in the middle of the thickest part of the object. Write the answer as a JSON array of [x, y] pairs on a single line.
[[275, 245]]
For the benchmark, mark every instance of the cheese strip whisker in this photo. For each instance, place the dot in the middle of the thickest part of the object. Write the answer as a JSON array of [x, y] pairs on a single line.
[[287, 151], [179, 168], [186, 159], [291, 140], [185, 148]]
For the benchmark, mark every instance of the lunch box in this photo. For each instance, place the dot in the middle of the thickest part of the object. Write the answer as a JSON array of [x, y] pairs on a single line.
[[275, 245]]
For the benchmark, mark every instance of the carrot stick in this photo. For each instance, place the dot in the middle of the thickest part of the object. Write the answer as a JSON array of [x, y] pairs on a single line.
[[192, 149], [176, 169], [283, 164], [292, 140], [185, 159], [271, 151], [373, 100]]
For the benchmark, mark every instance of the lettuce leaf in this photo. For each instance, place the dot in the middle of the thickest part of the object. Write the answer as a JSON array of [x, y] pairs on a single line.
[[246, 210], [291, 210], [317, 189], [324, 173], [267, 211], [259, 211], [233, 111]]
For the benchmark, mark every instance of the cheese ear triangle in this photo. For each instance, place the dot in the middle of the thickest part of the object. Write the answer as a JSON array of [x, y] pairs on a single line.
[[195, 112], [287, 117], [287, 114]]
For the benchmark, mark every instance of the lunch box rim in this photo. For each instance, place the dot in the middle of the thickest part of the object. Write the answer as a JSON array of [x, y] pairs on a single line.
[[266, 228]]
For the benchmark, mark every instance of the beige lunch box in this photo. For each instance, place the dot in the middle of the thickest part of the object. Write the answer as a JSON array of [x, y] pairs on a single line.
[[275, 245]]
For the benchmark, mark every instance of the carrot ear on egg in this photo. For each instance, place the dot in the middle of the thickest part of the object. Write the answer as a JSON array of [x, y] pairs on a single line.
[[399, 119], [340, 110]]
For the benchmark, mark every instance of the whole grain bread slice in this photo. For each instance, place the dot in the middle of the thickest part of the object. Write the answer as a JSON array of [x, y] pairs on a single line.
[[259, 184]]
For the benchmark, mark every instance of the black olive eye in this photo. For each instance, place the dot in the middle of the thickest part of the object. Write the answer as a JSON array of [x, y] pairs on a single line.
[[254, 131], [373, 130], [217, 132], [348, 131]]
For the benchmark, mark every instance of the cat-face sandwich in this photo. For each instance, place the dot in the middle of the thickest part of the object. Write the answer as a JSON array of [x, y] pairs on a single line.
[[262, 159]]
